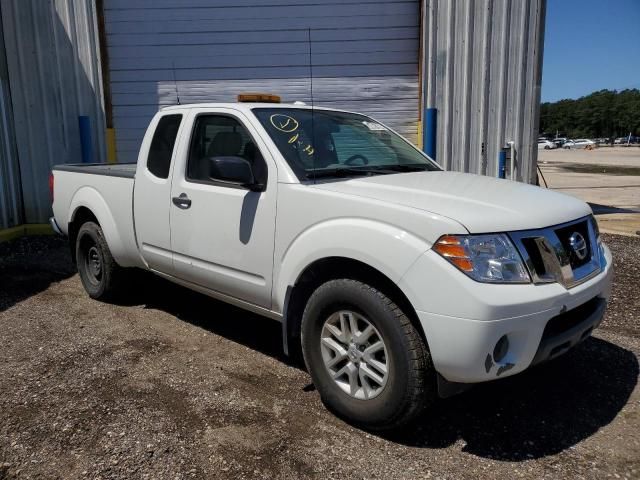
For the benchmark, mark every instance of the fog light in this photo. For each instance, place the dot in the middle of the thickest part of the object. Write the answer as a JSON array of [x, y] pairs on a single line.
[[501, 349]]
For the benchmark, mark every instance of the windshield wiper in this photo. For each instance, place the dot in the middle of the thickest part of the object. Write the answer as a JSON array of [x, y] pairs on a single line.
[[343, 172], [406, 167]]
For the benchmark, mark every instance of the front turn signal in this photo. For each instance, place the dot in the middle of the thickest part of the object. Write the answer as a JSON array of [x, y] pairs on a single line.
[[452, 249]]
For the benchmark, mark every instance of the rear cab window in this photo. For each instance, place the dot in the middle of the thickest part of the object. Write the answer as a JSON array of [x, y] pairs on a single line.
[[161, 150]]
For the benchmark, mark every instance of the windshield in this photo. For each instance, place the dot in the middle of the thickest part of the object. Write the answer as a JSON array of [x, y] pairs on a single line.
[[328, 143]]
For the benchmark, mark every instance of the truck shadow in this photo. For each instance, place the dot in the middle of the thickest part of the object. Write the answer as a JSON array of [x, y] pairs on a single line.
[[28, 265], [535, 414], [538, 413], [599, 209], [251, 330]]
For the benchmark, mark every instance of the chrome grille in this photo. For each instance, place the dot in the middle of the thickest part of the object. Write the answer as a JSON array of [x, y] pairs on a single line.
[[556, 254], [566, 236]]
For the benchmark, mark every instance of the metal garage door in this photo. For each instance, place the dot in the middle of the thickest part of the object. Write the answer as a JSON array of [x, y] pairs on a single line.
[[365, 56]]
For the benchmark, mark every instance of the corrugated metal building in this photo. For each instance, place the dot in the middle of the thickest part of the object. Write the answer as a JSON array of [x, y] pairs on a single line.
[[364, 56], [482, 73], [477, 62], [10, 189], [50, 75]]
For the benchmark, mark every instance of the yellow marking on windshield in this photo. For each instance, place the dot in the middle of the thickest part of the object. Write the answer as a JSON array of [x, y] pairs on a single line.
[[284, 123], [287, 124]]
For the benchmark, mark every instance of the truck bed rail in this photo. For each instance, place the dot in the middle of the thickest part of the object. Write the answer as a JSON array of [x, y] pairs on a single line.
[[124, 170]]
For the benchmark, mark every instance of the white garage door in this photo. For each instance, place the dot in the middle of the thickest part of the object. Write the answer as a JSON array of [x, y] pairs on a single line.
[[365, 56]]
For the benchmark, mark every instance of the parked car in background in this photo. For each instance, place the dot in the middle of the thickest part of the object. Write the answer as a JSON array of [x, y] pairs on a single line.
[[628, 140], [545, 144], [579, 143], [559, 141]]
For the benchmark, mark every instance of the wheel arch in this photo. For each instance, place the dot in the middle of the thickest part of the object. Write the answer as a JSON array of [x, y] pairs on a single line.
[[80, 216], [88, 204], [332, 268]]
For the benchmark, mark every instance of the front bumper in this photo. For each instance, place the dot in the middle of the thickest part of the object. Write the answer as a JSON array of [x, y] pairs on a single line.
[[566, 330], [541, 321]]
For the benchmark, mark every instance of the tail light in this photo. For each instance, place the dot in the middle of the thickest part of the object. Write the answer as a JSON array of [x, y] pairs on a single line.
[[51, 186]]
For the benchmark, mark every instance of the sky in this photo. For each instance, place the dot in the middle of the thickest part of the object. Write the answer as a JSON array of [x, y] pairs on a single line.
[[590, 45]]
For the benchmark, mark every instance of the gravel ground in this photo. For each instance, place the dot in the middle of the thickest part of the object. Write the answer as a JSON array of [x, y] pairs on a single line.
[[171, 384]]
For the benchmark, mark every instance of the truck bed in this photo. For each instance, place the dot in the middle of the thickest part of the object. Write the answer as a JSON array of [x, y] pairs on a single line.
[[123, 170], [107, 191]]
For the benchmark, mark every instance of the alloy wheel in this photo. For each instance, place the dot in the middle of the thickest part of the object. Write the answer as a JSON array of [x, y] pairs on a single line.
[[354, 354]]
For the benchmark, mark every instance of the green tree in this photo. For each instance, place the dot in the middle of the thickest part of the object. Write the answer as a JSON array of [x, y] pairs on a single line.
[[605, 113]]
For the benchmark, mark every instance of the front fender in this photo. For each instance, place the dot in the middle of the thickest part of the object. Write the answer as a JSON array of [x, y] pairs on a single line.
[[387, 248]]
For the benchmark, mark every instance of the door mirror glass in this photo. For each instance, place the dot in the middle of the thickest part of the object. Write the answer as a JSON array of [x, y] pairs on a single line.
[[233, 169]]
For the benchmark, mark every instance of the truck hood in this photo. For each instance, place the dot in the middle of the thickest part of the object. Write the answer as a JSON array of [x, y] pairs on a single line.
[[481, 204]]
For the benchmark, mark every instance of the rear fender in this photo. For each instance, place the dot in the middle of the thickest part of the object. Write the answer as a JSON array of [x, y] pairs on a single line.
[[91, 199]]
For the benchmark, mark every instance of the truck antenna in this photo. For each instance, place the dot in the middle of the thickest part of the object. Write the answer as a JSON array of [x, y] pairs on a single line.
[[313, 131], [310, 65], [175, 84]]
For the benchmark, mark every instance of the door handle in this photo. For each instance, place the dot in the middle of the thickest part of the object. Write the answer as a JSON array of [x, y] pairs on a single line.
[[182, 201]]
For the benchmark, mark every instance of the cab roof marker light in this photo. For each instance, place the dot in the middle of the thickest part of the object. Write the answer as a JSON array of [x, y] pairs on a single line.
[[258, 97]]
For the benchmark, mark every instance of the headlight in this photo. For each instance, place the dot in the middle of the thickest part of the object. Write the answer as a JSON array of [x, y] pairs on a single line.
[[596, 230], [599, 245], [485, 258]]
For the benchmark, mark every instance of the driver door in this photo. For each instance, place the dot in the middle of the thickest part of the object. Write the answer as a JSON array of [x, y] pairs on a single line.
[[222, 234]]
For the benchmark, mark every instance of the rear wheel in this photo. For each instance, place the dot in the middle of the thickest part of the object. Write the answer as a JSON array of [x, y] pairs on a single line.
[[366, 358], [97, 268]]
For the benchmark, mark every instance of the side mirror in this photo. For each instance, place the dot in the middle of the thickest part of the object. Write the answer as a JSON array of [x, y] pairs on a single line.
[[235, 170]]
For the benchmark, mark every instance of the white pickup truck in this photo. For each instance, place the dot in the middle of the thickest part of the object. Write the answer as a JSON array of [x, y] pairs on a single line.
[[396, 279]]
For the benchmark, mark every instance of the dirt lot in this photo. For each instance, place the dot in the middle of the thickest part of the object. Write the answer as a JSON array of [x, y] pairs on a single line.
[[174, 385], [607, 177]]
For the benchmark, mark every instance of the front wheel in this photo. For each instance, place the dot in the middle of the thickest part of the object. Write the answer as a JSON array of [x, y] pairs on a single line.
[[98, 270], [366, 358]]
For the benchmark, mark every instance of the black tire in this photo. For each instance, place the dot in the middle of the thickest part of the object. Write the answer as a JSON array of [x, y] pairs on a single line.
[[411, 381], [98, 271]]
